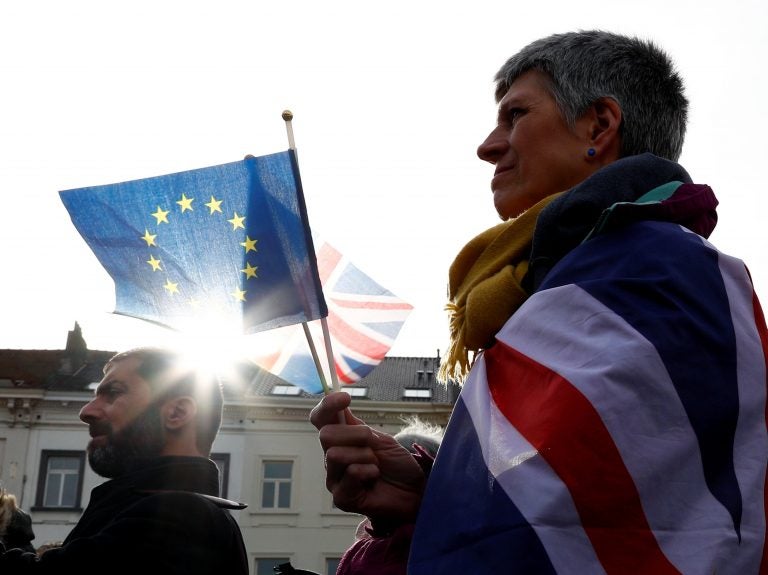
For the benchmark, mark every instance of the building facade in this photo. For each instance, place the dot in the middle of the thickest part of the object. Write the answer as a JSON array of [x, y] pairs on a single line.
[[267, 451]]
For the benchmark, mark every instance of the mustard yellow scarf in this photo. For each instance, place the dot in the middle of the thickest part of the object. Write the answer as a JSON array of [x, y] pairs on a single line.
[[484, 288]]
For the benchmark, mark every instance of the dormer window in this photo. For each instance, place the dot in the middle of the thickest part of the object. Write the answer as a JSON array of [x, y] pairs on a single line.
[[417, 393], [286, 390]]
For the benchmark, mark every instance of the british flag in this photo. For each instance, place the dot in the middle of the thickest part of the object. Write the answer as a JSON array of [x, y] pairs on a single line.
[[617, 426], [364, 319]]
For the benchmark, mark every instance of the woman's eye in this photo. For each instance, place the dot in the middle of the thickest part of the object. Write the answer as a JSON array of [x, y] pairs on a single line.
[[514, 115]]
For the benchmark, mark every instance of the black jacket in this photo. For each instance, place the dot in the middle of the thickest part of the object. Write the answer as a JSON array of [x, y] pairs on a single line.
[[161, 518]]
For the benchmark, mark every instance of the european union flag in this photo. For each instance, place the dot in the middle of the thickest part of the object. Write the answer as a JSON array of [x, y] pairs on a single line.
[[229, 244]]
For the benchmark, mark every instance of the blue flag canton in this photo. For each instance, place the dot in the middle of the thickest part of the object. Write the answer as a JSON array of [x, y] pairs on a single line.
[[227, 245]]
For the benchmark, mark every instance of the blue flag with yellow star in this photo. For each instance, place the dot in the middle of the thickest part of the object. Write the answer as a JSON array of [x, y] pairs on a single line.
[[226, 247]]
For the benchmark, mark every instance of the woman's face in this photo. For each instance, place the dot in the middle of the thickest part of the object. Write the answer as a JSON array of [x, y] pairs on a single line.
[[535, 152]]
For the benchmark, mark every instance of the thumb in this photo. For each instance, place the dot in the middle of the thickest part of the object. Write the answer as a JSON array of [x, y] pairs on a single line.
[[351, 419]]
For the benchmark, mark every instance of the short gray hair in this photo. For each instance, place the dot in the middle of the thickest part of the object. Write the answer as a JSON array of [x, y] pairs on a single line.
[[585, 66]]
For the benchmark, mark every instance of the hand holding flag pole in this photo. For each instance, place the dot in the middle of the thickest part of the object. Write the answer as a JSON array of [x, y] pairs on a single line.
[[288, 118]]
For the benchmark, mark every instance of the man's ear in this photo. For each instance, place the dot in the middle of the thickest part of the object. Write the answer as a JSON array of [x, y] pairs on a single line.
[[605, 119], [178, 412]]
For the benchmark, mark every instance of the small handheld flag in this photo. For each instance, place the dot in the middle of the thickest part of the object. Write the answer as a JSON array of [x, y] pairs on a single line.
[[229, 243], [364, 319]]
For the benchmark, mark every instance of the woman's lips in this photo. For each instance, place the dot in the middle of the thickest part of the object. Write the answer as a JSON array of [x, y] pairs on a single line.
[[499, 174]]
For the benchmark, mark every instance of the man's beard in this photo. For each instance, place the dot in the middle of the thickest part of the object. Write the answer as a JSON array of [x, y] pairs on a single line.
[[143, 437]]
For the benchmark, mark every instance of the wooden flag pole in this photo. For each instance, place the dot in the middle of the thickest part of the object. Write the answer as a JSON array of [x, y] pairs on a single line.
[[329, 353], [288, 118], [315, 357]]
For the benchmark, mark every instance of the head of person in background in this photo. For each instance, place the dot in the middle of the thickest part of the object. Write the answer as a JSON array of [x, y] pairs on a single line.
[[417, 432], [149, 403], [15, 524]]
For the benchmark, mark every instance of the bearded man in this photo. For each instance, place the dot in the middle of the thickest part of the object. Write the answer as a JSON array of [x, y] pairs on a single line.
[[152, 423]]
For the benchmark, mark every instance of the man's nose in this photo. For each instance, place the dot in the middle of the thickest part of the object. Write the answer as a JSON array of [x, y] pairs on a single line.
[[90, 411]]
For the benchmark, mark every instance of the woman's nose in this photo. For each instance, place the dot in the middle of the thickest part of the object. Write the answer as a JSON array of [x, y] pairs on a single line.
[[493, 147]]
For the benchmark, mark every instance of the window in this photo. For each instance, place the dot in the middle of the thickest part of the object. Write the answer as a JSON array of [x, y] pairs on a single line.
[[222, 462], [60, 480], [276, 485], [356, 391], [286, 390], [414, 393], [331, 565], [266, 565]]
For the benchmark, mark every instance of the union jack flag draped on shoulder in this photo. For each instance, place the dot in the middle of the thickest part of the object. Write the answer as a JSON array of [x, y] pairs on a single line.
[[618, 424]]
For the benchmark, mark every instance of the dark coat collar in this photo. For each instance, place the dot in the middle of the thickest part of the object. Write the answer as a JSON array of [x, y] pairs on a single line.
[[568, 220]]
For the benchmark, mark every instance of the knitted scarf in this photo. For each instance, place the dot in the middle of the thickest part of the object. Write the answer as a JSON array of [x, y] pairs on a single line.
[[484, 288]]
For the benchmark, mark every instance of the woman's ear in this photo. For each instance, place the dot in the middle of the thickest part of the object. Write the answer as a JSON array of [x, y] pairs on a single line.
[[178, 412], [605, 119]]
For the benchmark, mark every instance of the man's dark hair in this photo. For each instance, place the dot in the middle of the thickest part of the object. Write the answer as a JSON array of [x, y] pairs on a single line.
[[171, 376]]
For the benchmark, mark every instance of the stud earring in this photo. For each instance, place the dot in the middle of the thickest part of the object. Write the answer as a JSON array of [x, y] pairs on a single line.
[[591, 152]]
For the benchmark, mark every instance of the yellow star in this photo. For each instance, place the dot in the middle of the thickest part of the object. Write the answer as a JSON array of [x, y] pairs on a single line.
[[149, 238], [214, 205], [160, 215], [237, 222], [155, 263], [171, 287], [239, 294], [249, 244], [185, 203], [249, 271]]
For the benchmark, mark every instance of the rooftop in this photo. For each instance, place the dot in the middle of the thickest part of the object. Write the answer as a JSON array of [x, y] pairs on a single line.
[[76, 368]]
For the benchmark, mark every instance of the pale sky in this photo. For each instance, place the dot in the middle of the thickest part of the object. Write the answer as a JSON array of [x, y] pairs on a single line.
[[390, 100]]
